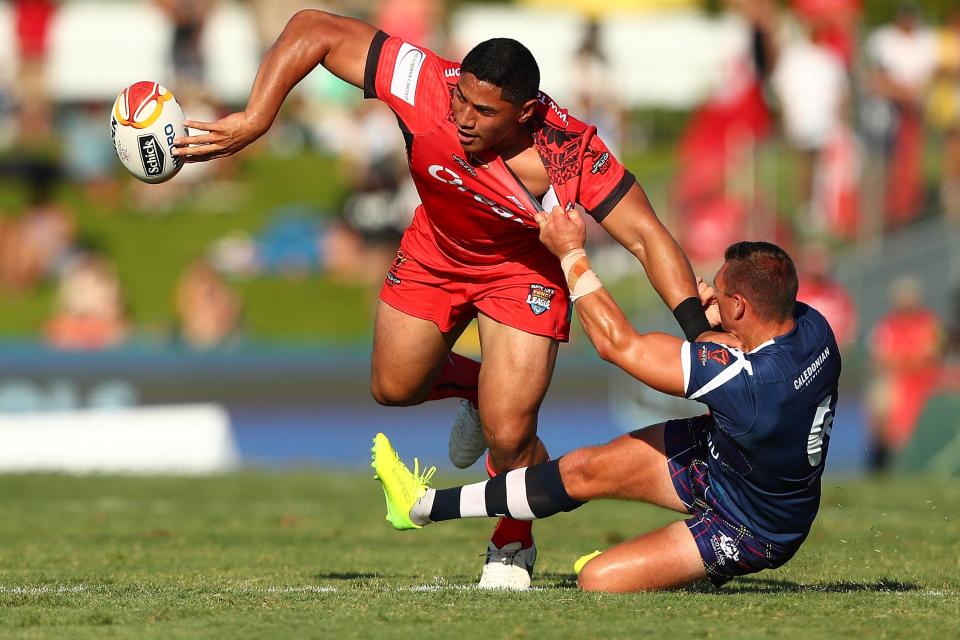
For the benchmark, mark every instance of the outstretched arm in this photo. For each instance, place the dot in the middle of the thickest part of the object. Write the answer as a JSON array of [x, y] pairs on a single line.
[[652, 358], [310, 38], [633, 223]]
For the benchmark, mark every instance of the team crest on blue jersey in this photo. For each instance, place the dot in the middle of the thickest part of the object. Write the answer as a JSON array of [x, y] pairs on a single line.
[[539, 298], [706, 354]]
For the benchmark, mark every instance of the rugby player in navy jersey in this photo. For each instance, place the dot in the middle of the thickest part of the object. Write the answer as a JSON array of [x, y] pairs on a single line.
[[747, 473], [486, 150]]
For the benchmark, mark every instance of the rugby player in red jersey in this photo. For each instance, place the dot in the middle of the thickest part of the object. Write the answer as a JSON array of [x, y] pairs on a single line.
[[487, 151]]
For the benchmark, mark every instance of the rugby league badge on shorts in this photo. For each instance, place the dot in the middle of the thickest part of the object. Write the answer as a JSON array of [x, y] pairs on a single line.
[[539, 298]]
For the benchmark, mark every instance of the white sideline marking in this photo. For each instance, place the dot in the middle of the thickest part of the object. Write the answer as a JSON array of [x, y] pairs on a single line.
[[440, 585], [36, 591]]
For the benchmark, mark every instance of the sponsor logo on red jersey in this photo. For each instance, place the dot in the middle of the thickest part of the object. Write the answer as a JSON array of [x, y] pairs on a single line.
[[406, 73], [451, 177], [464, 165], [602, 163]]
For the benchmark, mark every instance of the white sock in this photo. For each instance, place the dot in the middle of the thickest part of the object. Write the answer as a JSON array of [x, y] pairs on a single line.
[[420, 511]]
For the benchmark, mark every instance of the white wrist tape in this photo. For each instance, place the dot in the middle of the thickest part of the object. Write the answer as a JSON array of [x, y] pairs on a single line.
[[581, 280], [588, 282]]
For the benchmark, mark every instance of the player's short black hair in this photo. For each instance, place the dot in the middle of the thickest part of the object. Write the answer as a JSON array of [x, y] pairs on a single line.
[[765, 275], [505, 63]]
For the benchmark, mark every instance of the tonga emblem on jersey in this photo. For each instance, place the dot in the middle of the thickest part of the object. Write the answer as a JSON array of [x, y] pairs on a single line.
[[539, 298]]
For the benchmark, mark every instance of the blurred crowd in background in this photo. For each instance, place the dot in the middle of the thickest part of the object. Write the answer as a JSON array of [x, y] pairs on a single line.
[[864, 117]]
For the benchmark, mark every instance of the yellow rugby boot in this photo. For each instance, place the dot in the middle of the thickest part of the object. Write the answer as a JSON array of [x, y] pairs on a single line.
[[401, 488]]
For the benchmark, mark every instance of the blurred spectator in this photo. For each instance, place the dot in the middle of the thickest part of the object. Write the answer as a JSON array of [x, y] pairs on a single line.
[[189, 17], [36, 244], [383, 195], [595, 94], [944, 110], [90, 313], [33, 19], [953, 334], [416, 21], [356, 247], [88, 156], [208, 310], [271, 16], [811, 85], [836, 198], [834, 22], [903, 57], [820, 290], [720, 140], [288, 246], [905, 347]]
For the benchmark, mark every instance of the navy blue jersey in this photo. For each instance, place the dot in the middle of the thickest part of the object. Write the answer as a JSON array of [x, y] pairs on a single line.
[[772, 412]]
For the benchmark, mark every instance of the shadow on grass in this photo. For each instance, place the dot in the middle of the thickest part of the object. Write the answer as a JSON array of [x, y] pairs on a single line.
[[768, 585], [349, 575], [747, 585]]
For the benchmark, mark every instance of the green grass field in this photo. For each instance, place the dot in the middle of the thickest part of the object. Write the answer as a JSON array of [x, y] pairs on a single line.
[[276, 555]]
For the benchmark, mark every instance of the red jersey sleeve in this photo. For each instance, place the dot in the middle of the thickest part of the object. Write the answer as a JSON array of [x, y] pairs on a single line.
[[603, 180], [410, 80]]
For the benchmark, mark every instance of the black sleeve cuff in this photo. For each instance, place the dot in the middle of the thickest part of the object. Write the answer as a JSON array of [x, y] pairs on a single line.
[[604, 208], [373, 61], [691, 318]]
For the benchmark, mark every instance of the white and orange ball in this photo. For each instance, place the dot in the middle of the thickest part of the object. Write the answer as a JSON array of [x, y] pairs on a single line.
[[144, 121]]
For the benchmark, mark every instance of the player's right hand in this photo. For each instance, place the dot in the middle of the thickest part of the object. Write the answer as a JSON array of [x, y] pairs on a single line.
[[223, 138], [562, 231], [708, 298]]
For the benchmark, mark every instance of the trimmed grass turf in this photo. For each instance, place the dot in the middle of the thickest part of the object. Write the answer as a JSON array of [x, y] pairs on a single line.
[[307, 554]]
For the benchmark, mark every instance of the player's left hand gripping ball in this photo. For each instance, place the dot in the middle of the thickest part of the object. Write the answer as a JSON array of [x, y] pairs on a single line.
[[144, 121]]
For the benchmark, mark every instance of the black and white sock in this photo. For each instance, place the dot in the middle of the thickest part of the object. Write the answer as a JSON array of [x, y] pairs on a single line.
[[522, 494]]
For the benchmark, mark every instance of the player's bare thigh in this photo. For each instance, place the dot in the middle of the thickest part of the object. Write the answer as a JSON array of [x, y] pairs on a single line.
[[514, 375], [631, 467], [662, 559], [408, 354]]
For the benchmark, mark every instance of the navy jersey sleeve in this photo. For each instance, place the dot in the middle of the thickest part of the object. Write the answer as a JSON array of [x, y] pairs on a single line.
[[719, 377]]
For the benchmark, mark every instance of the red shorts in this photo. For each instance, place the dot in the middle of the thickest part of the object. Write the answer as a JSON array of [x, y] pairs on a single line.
[[531, 296]]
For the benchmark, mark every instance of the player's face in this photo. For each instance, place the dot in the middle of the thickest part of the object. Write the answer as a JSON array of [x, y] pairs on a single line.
[[724, 300], [484, 119]]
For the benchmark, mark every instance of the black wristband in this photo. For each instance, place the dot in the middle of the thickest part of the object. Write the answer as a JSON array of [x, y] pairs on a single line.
[[691, 318]]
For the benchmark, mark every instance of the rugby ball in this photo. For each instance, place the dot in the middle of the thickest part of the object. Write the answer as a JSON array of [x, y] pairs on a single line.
[[144, 121]]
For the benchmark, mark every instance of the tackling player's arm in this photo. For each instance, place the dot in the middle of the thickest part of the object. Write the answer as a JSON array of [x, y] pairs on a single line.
[[652, 358], [310, 38]]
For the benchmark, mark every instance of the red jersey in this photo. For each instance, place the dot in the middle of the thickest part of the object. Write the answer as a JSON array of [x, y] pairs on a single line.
[[906, 343], [482, 215]]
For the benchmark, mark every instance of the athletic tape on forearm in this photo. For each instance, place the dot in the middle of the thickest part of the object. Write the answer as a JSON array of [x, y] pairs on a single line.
[[581, 280], [691, 318]]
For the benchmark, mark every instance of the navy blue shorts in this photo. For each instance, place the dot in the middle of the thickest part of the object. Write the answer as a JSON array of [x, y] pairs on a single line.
[[728, 547]]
